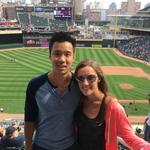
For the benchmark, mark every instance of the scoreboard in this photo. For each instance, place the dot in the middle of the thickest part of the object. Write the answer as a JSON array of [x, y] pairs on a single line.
[[62, 12], [58, 11]]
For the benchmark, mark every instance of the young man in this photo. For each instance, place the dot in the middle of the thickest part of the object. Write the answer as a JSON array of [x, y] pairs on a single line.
[[12, 139], [51, 100]]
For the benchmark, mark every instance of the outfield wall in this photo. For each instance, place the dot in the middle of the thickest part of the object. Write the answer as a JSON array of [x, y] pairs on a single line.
[[10, 38], [42, 40]]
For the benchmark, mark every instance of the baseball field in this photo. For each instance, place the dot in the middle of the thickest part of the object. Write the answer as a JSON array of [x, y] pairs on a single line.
[[128, 80]]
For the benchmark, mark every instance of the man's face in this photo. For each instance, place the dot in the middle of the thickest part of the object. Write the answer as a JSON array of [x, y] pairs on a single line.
[[62, 56], [15, 133]]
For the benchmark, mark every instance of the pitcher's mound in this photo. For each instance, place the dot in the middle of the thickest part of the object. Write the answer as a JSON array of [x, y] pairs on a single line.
[[126, 86]]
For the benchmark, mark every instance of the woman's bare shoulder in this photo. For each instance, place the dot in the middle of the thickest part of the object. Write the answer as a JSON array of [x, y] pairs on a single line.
[[109, 99]]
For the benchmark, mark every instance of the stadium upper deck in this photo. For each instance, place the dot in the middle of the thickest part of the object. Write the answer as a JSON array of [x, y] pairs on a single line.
[[139, 22], [53, 18]]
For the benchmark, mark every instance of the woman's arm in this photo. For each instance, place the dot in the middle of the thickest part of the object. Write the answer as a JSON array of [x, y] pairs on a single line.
[[126, 132]]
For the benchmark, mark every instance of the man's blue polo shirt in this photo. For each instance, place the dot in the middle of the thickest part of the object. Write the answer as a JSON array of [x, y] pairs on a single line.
[[52, 113], [17, 142]]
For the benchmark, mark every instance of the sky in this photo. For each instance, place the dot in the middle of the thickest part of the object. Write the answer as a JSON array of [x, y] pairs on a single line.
[[106, 3]]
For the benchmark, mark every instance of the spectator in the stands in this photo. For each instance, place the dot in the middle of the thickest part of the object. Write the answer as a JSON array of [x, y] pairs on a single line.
[[2, 133], [147, 129], [12, 138], [138, 47], [149, 98]]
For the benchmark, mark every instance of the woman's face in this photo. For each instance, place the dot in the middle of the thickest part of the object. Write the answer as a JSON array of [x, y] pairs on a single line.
[[88, 80]]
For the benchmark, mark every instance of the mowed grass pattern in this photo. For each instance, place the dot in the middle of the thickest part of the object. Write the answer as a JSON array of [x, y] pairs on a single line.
[[18, 67]]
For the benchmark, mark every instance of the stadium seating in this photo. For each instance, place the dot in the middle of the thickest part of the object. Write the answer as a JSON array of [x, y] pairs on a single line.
[[137, 47], [38, 21], [23, 18], [59, 25]]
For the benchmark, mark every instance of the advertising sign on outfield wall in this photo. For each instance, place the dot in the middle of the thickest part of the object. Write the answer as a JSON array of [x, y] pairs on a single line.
[[36, 43]]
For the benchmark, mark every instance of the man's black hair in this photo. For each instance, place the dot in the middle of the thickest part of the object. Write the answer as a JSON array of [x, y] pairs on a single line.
[[61, 37]]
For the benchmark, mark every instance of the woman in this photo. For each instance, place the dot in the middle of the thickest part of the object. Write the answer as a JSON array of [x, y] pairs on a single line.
[[100, 118]]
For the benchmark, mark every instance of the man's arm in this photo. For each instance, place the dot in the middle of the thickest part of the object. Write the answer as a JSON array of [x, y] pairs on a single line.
[[29, 128]]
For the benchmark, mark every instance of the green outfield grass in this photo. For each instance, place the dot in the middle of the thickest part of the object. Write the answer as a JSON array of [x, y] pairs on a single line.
[[18, 67], [140, 90], [137, 109], [16, 45]]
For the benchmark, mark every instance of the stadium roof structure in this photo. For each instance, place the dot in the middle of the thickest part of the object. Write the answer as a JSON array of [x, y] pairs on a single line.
[[146, 9], [144, 12], [138, 22], [136, 29]]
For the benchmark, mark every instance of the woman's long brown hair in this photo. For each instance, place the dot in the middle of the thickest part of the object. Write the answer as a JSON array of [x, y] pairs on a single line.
[[102, 85]]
